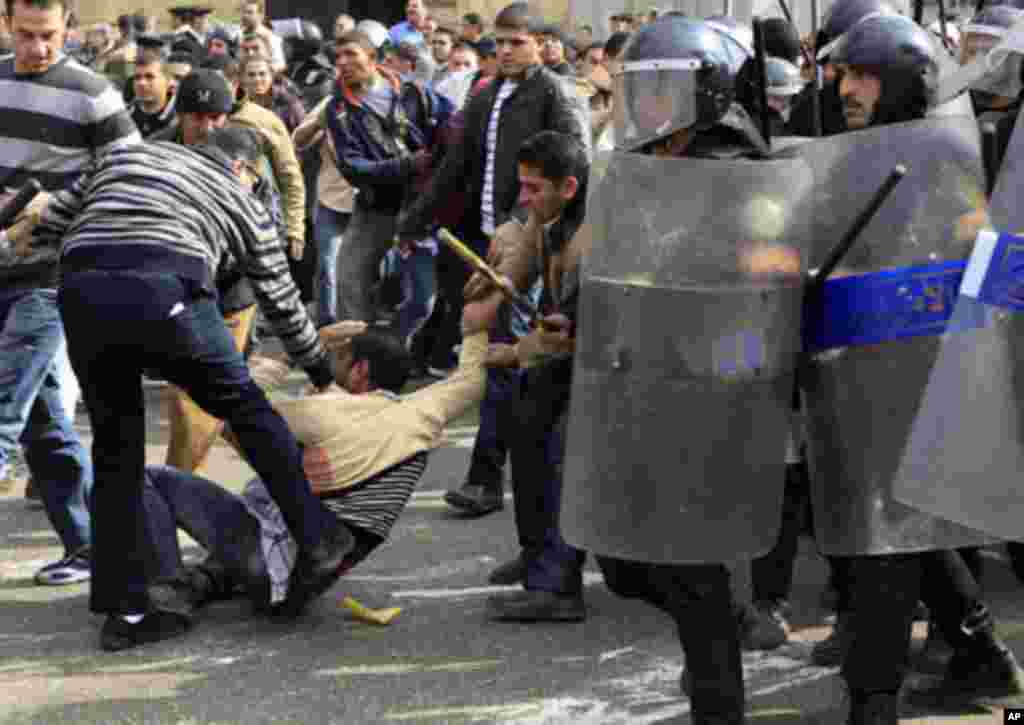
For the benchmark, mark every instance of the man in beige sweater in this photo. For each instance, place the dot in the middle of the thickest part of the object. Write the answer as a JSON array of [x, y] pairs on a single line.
[[365, 449]]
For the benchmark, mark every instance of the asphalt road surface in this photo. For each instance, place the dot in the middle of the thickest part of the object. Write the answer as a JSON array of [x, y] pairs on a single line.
[[438, 661]]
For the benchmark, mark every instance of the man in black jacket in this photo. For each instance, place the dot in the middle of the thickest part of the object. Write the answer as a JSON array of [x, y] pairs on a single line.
[[525, 99]]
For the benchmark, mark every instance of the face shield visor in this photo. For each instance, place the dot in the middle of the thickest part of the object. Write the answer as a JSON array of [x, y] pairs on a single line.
[[996, 71], [653, 100]]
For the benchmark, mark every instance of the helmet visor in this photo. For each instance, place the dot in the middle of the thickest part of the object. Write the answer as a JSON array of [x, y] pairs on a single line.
[[653, 100]]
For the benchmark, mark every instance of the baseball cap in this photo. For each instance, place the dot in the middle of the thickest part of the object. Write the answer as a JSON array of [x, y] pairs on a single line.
[[204, 91]]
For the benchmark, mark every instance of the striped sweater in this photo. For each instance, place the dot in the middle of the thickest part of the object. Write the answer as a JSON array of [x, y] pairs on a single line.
[[52, 126], [153, 198]]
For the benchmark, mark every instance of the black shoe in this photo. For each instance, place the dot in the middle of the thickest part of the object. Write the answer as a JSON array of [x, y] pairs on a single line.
[[993, 674], [536, 606], [829, 651], [509, 573], [879, 708], [193, 587], [315, 571], [765, 626], [118, 634], [475, 499]]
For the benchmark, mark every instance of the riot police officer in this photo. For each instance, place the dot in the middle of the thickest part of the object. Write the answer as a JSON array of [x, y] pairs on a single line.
[[308, 67], [886, 69], [676, 100], [841, 16]]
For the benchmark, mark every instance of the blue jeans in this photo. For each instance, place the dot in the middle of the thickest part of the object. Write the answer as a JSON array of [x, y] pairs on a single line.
[[328, 231], [490, 451], [119, 323], [214, 517], [418, 273], [38, 394], [532, 421]]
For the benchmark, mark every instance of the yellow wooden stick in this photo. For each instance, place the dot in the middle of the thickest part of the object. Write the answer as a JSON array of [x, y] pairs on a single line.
[[371, 616], [473, 260]]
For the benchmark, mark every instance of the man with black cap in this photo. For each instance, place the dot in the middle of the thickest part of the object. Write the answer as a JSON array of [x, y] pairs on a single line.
[[153, 108], [202, 103], [143, 239]]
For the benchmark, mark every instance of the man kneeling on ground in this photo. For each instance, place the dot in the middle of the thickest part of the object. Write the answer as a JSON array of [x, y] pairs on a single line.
[[365, 449]]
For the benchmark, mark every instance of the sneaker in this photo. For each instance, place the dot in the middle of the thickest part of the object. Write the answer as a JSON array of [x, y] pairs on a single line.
[[765, 625], [120, 634], [829, 651], [72, 569], [439, 373]]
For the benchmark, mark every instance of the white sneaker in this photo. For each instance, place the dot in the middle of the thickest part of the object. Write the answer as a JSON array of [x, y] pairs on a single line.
[[72, 569]]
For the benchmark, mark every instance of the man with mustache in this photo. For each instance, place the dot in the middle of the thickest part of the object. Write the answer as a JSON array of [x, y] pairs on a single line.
[[886, 71]]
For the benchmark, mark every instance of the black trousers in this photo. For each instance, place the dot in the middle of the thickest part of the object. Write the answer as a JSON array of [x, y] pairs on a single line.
[[772, 574], [698, 597], [883, 593]]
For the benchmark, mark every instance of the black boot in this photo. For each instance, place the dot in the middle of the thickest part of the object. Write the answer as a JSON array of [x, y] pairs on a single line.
[[874, 708], [982, 667], [184, 593]]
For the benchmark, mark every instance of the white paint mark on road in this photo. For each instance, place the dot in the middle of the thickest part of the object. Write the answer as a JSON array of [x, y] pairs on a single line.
[[410, 669], [472, 713], [612, 654]]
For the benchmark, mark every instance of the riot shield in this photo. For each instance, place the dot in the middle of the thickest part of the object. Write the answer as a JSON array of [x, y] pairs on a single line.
[[965, 455], [873, 334], [687, 339]]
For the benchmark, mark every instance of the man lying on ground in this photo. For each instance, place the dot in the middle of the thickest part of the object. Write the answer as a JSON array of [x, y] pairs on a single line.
[[365, 448]]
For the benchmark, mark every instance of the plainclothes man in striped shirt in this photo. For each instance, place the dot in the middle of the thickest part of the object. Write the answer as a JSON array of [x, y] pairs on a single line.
[[143, 237], [56, 117], [366, 449]]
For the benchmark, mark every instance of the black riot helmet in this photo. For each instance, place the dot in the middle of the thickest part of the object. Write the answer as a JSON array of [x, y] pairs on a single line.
[[901, 54], [675, 74], [843, 15], [307, 41]]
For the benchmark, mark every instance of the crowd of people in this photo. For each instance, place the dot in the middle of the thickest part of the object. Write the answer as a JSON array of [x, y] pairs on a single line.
[[212, 186]]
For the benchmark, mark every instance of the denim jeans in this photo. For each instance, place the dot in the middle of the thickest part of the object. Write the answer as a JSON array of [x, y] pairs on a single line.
[[38, 394], [487, 462], [119, 323], [418, 274], [328, 230], [532, 424], [214, 517], [367, 240]]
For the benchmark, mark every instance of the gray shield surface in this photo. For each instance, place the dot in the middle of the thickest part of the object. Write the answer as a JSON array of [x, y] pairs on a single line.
[[687, 340], [965, 457], [874, 336]]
